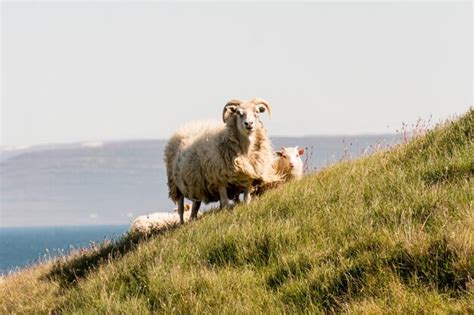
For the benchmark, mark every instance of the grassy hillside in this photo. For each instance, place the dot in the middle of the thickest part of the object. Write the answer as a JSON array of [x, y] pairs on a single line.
[[390, 232]]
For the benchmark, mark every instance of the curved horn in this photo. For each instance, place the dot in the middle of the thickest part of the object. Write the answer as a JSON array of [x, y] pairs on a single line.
[[258, 101], [229, 103]]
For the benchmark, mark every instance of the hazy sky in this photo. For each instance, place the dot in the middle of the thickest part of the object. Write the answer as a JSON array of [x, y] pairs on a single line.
[[101, 71]]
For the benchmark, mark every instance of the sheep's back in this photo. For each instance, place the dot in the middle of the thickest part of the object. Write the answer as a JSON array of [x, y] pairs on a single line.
[[198, 168]]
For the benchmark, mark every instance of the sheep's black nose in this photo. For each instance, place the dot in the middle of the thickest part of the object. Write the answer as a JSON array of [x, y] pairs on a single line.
[[248, 124]]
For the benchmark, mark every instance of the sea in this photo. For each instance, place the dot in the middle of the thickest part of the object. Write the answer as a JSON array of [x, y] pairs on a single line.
[[61, 197]]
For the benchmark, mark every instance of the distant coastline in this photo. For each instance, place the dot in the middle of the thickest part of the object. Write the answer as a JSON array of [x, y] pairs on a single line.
[[93, 183]]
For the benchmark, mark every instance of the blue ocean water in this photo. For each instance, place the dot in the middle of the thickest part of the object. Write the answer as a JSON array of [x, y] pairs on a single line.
[[21, 246], [89, 191]]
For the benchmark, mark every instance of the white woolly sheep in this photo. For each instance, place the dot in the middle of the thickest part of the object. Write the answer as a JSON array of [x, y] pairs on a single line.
[[207, 162], [145, 223]]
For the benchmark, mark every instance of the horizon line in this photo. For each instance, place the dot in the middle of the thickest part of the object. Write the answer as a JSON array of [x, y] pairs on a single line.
[[24, 146]]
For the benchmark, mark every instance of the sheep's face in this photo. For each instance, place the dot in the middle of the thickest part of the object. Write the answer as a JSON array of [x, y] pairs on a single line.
[[291, 158], [248, 118], [247, 115]]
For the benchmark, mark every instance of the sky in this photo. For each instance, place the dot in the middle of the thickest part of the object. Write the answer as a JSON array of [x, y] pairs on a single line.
[[73, 72]]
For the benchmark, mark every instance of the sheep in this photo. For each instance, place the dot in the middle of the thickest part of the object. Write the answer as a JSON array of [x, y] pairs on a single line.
[[287, 164], [145, 223], [211, 162]]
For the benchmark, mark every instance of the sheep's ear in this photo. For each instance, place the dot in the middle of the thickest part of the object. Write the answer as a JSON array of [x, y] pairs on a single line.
[[301, 151], [279, 153], [261, 109], [228, 111], [230, 108]]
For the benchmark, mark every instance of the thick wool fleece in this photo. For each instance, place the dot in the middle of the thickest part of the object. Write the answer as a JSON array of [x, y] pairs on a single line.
[[202, 156]]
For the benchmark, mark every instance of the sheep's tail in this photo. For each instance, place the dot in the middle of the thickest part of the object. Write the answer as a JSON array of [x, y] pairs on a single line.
[[171, 152], [173, 192]]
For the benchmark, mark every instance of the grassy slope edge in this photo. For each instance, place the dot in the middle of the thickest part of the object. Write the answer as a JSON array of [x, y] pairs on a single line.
[[390, 232]]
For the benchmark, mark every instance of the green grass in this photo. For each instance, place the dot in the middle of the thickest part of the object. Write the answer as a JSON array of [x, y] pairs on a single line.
[[387, 233]]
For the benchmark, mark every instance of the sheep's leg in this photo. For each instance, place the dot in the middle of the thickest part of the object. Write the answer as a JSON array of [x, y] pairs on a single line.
[[247, 196], [224, 200], [237, 198], [181, 209], [195, 209]]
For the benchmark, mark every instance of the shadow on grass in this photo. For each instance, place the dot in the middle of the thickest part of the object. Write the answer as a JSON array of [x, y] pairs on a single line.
[[294, 269], [69, 269], [329, 292], [440, 268], [449, 172], [233, 251]]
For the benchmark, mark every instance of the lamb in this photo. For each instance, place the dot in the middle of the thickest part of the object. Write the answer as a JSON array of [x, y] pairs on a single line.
[[145, 223], [288, 163], [211, 162]]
